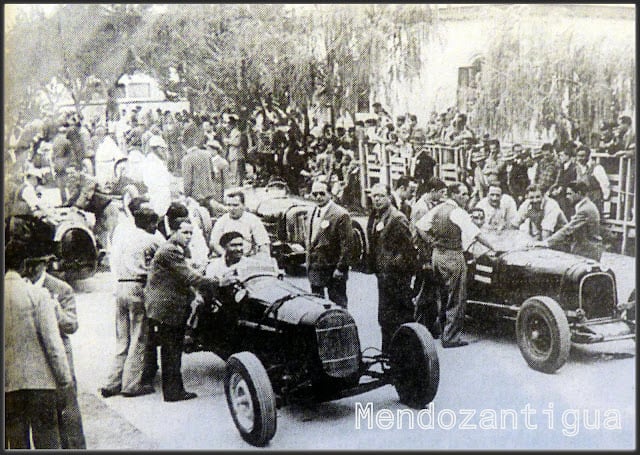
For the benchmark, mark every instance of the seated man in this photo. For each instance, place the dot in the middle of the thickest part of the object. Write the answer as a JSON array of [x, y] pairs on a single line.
[[233, 259], [539, 216], [499, 209]]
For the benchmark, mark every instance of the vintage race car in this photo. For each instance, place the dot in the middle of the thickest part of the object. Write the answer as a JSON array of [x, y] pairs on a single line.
[[283, 344], [284, 217], [555, 298], [67, 233]]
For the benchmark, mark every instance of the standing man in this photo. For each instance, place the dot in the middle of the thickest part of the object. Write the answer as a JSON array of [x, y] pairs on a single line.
[[198, 176], [248, 224], [449, 224], [235, 154], [328, 246], [393, 260], [427, 298], [515, 174], [594, 176], [168, 297], [132, 326], [69, 417], [37, 373], [582, 232], [405, 191]]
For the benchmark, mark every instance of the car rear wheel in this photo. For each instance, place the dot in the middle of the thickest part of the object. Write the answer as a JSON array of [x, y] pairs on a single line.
[[250, 398], [415, 369], [543, 334]]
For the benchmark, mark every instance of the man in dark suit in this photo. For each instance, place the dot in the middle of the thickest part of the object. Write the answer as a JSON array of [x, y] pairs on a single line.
[[582, 232], [404, 192], [329, 239], [168, 296], [69, 417], [393, 260], [514, 174]]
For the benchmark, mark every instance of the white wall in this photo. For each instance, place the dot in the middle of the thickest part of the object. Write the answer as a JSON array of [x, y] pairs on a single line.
[[457, 42]]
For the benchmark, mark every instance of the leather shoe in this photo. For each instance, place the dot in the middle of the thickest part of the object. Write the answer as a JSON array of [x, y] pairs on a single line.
[[144, 390], [182, 397], [455, 344], [106, 393]]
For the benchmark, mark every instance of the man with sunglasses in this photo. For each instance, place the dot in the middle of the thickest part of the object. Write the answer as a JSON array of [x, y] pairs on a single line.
[[329, 239]]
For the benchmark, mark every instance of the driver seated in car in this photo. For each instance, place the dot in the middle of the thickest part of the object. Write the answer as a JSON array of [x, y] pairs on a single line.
[[234, 259]]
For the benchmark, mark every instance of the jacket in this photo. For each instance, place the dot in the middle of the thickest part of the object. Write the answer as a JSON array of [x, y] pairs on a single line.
[[582, 232], [391, 244], [168, 293], [34, 355], [329, 248]]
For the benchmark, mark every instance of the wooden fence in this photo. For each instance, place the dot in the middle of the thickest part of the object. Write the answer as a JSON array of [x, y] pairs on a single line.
[[378, 165]]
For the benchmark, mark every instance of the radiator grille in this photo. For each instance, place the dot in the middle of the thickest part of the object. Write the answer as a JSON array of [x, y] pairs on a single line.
[[338, 343], [598, 295]]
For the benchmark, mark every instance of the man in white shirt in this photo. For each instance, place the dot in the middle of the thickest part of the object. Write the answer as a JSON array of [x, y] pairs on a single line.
[[452, 230], [595, 177], [539, 216], [499, 209], [128, 373], [249, 225]]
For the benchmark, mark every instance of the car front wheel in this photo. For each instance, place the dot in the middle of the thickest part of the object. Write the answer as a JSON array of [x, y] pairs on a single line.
[[415, 369], [543, 334], [250, 398]]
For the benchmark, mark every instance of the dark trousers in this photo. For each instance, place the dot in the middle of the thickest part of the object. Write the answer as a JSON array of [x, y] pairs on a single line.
[[395, 305], [171, 339], [427, 302], [70, 421], [35, 409], [150, 355], [451, 269], [336, 289]]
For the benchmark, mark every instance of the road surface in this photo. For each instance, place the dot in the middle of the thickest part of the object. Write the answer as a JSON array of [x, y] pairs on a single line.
[[588, 404]]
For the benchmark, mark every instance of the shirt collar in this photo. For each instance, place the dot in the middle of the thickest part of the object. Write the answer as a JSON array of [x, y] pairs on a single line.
[[580, 202]]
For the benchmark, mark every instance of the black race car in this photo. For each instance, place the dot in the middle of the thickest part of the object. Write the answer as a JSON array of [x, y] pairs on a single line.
[[283, 344], [555, 298]]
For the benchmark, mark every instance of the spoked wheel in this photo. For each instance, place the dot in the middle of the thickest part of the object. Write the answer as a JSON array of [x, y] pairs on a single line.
[[543, 334], [415, 369], [250, 398]]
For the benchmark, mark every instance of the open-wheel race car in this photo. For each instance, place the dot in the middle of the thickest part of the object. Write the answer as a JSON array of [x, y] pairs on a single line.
[[283, 345], [284, 216], [555, 298], [66, 233]]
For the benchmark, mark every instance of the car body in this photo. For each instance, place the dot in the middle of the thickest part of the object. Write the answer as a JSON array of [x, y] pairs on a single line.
[[67, 233], [283, 344], [555, 297], [284, 216]]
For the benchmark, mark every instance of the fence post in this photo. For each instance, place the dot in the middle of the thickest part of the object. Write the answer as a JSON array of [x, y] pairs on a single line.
[[363, 150], [627, 198], [387, 164]]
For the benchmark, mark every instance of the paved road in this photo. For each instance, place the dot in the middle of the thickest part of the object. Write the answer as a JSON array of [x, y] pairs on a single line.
[[488, 376]]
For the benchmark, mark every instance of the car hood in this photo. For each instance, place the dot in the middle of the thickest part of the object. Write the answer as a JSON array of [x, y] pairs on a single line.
[[550, 261]]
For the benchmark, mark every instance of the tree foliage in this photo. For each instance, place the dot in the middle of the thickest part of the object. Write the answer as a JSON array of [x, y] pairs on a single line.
[[540, 81]]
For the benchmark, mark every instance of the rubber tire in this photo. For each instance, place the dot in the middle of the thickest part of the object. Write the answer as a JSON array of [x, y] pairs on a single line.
[[358, 258], [560, 336], [415, 368], [262, 396]]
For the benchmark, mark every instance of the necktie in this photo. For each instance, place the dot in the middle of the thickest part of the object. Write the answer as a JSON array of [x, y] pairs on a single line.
[[315, 219]]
